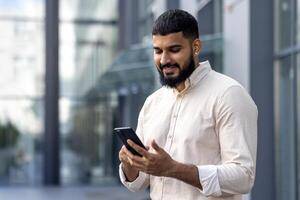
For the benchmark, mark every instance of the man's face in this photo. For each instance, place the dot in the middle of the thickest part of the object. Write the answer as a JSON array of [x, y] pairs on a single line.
[[173, 57]]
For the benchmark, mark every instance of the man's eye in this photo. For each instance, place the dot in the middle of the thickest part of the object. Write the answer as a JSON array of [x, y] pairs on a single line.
[[175, 50], [157, 51]]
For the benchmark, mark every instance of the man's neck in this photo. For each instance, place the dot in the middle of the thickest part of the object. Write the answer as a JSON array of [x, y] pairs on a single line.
[[181, 86]]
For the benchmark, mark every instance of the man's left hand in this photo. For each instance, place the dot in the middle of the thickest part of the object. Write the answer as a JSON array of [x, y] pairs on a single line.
[[159, 163]]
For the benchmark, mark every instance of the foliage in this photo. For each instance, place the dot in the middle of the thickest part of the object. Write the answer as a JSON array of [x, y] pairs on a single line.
[[8, 135]]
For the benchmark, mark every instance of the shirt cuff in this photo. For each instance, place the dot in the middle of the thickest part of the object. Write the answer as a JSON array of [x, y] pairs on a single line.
[[135, 185], [208, 176]]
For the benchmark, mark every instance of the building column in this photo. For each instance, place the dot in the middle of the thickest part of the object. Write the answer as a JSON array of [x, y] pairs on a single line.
[[261, 84], [51, 137], [236, 43]]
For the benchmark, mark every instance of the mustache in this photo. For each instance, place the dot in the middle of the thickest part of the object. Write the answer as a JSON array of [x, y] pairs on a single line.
[[168, 65]]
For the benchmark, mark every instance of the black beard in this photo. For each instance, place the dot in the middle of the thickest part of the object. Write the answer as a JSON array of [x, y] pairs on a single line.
[[183, 74]]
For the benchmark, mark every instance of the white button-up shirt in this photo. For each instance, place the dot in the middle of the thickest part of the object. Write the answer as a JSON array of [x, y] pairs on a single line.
[[212, 124]]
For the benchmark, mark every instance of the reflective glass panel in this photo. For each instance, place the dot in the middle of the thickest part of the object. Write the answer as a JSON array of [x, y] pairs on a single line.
[[101, 87], [297, 8], [285, 143], [283, 25], [298, 117], [88, 35], [21, 91]]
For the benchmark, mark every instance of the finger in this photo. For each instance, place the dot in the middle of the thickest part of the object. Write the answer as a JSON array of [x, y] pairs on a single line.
[[143, 168], [139, 149], [155, 146], [126, 156], [140, 165], [123, 149], [129, 161], [124, 160], [132, 157], [140, 160], [137, 162], [121, 153], [127, 152], [123, 157]]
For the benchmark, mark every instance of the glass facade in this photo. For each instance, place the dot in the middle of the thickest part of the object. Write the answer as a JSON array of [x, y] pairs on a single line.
[[286, 81], [298, 122], [88, 36], [21, 91], [285, 132], [145, 15], [285, 15], [101, 87], [209, 17]]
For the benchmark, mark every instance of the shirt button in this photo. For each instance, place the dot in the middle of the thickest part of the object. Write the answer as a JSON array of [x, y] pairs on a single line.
[[174, 116], [170, 137]]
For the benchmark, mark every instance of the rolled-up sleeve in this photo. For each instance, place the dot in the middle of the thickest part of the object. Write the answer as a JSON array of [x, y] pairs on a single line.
[[140, 183], [236, 126], [208, 177]]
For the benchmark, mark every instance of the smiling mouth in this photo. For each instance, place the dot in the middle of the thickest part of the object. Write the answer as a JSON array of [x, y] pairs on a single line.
[[169, 70]]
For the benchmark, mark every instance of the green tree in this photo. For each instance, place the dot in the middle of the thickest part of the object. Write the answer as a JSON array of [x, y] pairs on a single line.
[[8, 135]]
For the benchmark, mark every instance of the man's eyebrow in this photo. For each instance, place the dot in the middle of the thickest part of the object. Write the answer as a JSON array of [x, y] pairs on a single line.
[[169, 47], [174, 45]]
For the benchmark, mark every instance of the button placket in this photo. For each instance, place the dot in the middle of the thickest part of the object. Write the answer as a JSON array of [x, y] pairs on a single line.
[[176, 109]]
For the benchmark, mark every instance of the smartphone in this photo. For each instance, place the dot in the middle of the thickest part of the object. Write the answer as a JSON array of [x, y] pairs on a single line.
[[125, 133]]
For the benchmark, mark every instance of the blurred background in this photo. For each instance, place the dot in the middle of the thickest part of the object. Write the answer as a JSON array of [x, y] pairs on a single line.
[[72, 70]]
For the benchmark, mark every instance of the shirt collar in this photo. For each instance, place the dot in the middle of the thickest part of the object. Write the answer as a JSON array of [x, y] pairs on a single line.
[[198, 74]]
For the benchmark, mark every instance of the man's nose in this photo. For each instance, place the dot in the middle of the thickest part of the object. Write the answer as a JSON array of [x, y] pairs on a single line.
[[165, 58]]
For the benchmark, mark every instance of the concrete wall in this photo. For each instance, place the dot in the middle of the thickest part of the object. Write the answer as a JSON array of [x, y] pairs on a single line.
[[159, 6], [236, 40], [189, 6]]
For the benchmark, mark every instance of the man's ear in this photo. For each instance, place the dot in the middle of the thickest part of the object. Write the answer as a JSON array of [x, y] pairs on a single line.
[[197, 46]]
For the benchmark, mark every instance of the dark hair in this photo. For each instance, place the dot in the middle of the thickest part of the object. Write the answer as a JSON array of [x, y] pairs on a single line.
[[173, 21]]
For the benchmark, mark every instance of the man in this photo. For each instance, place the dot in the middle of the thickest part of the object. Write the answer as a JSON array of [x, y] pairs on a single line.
[[200, 128]]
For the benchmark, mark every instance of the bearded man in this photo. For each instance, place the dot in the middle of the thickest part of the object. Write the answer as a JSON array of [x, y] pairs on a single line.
[[200, 127]]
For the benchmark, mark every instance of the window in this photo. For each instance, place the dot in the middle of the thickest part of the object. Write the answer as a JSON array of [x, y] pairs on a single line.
[[88, 42], [285, 144], [21, 91], [287, 98]]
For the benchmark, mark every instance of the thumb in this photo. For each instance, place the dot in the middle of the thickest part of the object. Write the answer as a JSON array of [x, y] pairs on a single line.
[[155, 146]]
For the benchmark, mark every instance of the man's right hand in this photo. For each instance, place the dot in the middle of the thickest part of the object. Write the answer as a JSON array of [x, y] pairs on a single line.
[[130, 172]]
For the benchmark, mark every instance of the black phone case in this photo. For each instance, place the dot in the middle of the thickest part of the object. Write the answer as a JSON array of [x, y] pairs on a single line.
[[125, 133]]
